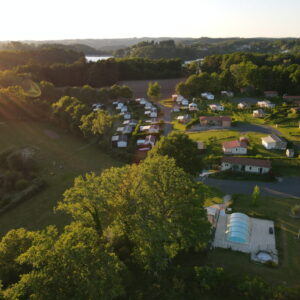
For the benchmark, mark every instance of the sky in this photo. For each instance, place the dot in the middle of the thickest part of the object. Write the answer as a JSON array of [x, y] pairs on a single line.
[[74, 19]]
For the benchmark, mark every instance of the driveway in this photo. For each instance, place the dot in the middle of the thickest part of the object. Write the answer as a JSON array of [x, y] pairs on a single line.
[[288, 187]]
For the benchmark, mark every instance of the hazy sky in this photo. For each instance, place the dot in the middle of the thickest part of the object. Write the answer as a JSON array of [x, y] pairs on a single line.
[[65, 19]]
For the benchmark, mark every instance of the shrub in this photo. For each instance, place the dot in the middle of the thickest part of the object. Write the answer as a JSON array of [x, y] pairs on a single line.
[[21, 184], [296, 210]]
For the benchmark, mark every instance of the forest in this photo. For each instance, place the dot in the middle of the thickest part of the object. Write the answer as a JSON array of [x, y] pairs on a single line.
[[254, 72]]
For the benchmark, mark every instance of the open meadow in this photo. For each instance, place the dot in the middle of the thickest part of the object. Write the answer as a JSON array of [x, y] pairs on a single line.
[[60, 157]]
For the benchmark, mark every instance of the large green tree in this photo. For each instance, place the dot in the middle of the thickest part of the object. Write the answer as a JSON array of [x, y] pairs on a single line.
[[184, 150], [74, 265], [154, 90], [155, 206]]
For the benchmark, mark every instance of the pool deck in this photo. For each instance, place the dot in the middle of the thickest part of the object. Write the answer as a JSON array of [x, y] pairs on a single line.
[[260, 238]]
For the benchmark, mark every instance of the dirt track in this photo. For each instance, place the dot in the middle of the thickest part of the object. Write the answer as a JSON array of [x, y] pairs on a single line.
[[139, 87]]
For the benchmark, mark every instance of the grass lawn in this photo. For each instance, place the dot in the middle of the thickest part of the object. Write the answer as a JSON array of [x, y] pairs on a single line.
[[61, 157], [167, 102], [288, 245]]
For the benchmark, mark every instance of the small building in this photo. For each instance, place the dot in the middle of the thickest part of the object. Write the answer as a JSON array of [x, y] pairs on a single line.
[[124, 109], [235, 147], [220, 121], [153, 114], [201, 146], [290, 153], [193, 107], [184, 119], [274, 142], [154, 129], [184, 102], [150, 140], [174, 97], [97, 106], [120, 141], [143, 101], [181, 99], [208, 96], [130, 122], [176, 108], [227, 93], [243, 105], [291, 98], [244, 164], [127, 116], [127, 129], [265, 104], [216, 107], [258, 113], [119, 105], [270, 94]]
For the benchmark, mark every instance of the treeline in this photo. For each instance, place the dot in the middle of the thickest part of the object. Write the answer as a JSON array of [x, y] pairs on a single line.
[[157, 50], [254, 73], [104, 72], [198, 48], [41, 56]]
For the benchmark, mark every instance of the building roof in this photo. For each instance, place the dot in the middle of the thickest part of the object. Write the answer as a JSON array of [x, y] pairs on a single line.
[[291, 97], [234, 144], [247, 161], [273, 138], [215, 118]]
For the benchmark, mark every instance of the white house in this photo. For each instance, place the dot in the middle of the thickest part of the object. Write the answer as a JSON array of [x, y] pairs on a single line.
[[216, 107], [143, 101], [193, 107], [258, 113], [235, 147], [243, 105], [274, 142], [244, 164], [265, 104], [208, 96]]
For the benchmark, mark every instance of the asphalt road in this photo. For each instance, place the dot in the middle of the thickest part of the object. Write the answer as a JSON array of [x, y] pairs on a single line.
[[167, 111], [245, 127], [287, 187]]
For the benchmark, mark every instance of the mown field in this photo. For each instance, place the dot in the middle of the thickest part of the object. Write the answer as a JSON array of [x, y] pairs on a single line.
[[61, 157], [286, 229]]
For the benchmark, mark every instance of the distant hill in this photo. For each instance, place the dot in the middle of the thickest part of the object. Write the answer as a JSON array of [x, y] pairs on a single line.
[[185, 48]]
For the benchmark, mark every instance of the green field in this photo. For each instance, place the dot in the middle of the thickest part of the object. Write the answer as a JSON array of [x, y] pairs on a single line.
[[61, 157], [287, 243]]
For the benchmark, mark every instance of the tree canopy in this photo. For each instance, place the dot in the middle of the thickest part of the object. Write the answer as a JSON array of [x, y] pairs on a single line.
[[184, 150]]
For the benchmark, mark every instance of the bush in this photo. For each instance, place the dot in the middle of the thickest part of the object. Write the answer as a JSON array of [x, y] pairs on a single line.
[[21, 184], [296, 210]]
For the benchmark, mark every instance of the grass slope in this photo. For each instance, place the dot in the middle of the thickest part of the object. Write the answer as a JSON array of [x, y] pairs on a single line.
[[61, 158]]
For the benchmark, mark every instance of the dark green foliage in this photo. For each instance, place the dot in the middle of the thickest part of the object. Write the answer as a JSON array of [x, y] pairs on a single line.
[[184, 150]]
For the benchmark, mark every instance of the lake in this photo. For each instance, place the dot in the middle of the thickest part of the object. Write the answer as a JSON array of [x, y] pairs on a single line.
[[91, 58]]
